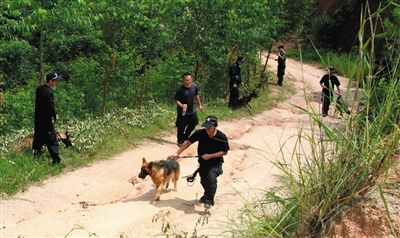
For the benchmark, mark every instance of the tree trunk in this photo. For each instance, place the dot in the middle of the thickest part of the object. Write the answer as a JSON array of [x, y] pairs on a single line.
[[196, 70], [136, 92], [41, 57], [143, 88], [108, 73], [266, 61]]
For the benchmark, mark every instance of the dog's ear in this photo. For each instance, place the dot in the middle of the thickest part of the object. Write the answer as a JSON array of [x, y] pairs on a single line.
[[144, 160], [150, 165]]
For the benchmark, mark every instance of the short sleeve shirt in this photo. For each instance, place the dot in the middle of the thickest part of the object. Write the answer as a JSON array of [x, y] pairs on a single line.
[[208, 145]]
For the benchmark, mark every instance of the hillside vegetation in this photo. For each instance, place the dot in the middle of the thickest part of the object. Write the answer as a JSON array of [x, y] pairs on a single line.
[[122, 61]]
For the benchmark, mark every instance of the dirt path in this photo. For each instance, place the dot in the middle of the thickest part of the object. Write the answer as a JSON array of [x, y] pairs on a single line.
[[114, 207]]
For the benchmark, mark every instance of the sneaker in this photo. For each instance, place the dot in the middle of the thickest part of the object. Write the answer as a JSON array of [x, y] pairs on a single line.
[[325, 114], [207, 205], [180, 144], [203, 199]]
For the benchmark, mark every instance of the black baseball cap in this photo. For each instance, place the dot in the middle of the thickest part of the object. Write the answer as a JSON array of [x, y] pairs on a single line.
[[210, 121], [331, 67], [281, 46], [53, 76], [241, 58]]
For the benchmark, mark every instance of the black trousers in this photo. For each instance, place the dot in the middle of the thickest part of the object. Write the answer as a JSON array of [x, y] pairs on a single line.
[[209, 175], [326, 102], [186, 125], [233, 97], [46, 135], [280, 73]]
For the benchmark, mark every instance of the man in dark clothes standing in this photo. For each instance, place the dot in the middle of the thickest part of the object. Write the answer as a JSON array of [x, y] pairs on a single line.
[[45, 112], [212, 146], [327, 83], [235, 82], [281, 64]]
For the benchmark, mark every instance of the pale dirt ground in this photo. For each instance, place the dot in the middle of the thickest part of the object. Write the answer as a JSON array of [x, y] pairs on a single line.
[[119, 208]]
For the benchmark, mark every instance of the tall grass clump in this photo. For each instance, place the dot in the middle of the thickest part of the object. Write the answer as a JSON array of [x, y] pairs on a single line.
[[332, 165]]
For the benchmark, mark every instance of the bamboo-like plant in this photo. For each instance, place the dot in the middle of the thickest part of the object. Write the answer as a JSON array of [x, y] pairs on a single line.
[[346, 161]]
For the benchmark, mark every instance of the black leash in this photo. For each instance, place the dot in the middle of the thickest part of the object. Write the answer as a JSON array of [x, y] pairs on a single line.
[[190, 179], [186, 156]]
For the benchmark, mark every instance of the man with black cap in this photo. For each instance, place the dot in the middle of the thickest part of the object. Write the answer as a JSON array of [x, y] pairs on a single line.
[[235, 82], [212, 146], [44, 114], [281, 64], [327, 82]]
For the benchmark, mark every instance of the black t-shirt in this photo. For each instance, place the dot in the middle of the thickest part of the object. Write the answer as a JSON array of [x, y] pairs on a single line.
[[208, 145], [187, 96], [328, 81]]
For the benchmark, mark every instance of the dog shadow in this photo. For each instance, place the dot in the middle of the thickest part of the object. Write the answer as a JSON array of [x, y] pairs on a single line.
[[186, 206]]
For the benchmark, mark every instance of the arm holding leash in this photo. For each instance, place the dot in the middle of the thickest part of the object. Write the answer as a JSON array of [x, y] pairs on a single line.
[[184, 146]]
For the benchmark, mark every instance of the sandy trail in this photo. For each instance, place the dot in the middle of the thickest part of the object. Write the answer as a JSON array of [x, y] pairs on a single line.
[[115, 207]]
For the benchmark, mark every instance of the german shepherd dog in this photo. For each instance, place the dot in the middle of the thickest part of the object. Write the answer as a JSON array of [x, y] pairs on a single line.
[[63, 137], [161, 172], [245, 100]]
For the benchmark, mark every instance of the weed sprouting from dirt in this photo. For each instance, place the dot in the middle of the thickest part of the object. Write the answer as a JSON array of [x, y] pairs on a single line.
[[171, 231]]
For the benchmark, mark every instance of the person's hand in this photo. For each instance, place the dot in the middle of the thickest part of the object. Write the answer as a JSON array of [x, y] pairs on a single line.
[[206, 156], [184, 106], [234, 85], [57, 118], [201, 108], [175, 156]]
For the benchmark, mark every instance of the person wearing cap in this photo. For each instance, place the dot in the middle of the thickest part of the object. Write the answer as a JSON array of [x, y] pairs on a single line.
[[212, 146], [235, 81], [281, 64], [184, 98], [327, 83], [45, 113]]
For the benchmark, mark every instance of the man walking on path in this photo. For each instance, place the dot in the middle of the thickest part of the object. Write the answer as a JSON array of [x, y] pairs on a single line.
[[235, 81], [184, 98], [327, 83], [212, 146], [45, 112], [281, 64]]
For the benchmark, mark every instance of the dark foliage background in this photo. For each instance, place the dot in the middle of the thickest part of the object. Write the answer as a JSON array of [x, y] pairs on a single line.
[[124, 54]]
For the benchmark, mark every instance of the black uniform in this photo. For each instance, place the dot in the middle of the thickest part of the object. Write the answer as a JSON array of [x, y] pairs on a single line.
[[329, 81], [44, 128], [209, 169], [281, 67], [187, 123], [235, 78]]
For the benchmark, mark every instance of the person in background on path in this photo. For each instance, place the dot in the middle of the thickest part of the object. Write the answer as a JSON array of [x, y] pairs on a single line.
[[281, 64], [235, 81], [327, 82], [187, 119], [45, 112], [212, 146]]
